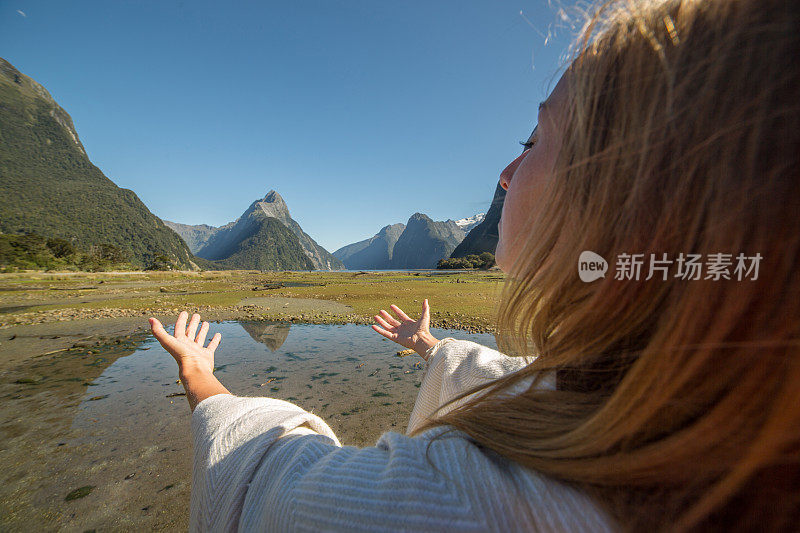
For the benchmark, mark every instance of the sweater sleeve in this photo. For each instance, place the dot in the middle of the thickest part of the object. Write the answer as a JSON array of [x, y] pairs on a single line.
[[455, 366], [305, 482], [232, 437], [263, 464]]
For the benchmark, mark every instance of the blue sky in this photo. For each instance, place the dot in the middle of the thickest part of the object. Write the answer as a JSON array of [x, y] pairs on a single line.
[[359, 113]]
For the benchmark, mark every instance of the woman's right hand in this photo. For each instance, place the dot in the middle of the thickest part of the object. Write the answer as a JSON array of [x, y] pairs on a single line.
[[413, 334]]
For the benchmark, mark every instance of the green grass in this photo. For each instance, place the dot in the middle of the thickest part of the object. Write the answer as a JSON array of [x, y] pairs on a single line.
[[476, 298], [470, 302]]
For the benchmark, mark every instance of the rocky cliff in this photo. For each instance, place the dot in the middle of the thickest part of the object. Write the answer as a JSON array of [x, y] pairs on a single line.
[[483, 237]]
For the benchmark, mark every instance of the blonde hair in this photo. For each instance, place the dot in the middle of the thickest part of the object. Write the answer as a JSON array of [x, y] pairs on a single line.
[[677, 400]]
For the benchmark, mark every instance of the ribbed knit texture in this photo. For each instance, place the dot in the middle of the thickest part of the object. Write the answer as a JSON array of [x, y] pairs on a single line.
[[262, 464]]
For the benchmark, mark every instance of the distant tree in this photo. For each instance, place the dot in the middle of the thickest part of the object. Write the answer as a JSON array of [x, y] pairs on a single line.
[[488, 260], [32, 243], [108, 253], [161, 262], [484, 261], [32, 251], [61, 247]]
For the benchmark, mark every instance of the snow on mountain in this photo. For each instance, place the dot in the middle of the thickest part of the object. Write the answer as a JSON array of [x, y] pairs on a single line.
[[468, 223]]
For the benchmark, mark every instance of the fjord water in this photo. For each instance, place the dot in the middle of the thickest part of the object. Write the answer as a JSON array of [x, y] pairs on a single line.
[[102, 440]]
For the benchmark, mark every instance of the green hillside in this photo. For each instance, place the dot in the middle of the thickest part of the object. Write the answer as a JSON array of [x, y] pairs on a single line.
[[48, 185]]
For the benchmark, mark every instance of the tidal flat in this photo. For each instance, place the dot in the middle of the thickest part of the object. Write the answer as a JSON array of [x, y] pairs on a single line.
[[459, 299], [94, 429]]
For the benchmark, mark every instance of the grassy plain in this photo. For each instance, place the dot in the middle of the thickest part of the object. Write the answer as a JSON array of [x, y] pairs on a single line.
[[460, 300]]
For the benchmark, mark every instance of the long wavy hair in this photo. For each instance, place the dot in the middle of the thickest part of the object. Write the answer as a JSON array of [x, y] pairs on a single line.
[[677, 404]]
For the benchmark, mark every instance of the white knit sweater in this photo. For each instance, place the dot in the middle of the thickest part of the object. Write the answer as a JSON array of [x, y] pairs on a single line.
[[262, 464]]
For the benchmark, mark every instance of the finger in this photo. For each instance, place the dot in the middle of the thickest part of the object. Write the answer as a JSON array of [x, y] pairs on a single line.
[[399, 312], [201, 337], [180, 325], [389, 318], [191, 332], [162, 336], [214, 341], [388, 334], [426, 312], [157, 328], [383, 323]]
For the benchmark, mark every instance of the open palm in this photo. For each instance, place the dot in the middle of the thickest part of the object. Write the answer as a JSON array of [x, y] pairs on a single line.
[[187, 344], [413, 334]]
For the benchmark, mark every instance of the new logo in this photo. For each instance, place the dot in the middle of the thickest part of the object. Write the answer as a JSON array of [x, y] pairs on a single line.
[[591, 266]]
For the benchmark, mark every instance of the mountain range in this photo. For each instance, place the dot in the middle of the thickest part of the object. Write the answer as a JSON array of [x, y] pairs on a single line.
[[264, 237], [49, 187], [420, 243], [243, 243]]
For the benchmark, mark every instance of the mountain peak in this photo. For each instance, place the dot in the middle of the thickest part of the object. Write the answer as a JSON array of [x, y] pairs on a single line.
[[418, 217], [392, 228], [273, 197], [272, 205]]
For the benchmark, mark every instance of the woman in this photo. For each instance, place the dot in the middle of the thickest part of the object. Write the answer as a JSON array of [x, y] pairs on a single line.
[[661, 396]]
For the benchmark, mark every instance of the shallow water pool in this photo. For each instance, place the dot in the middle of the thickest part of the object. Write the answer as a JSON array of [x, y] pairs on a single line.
[[101, 440]]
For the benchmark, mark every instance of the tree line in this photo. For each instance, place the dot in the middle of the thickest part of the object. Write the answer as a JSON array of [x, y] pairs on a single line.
[[484, 261], [34, 252]]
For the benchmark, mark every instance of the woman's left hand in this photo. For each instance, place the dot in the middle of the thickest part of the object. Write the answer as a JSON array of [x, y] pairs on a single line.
[[413, 334], [186, 345]]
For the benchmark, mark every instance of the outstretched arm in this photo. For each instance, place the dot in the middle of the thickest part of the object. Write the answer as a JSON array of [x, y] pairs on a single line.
[[413, 334], [195, 363]]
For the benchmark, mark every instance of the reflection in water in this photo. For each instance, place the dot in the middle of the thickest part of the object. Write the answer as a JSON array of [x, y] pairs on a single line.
[[126, 433], [272, 335]]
